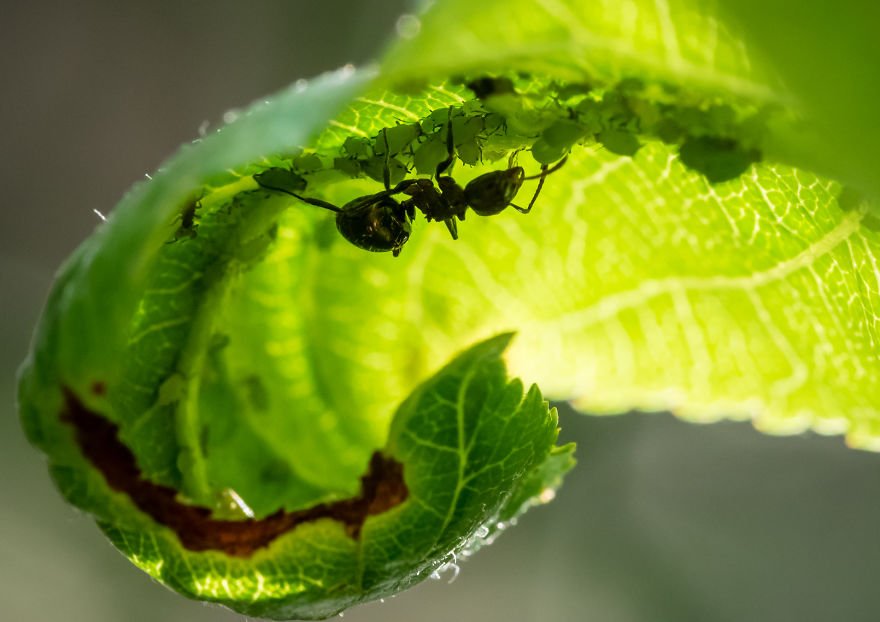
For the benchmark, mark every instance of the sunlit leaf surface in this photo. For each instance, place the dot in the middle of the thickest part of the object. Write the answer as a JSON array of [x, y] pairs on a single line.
[[254, 361]]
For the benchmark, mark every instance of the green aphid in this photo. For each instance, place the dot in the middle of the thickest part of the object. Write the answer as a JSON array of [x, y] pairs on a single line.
[[356, 147], [466, 129], [308, 163], [347, 166], [375, 169], [472, 107], [429, 154], [469, 153], [563, 134], [647, 113], [398, 138], [440, 116], [614, 110], [428, 125], [619, 142], [545, 153], [718, 159], [589, 115], [493, 155], [282, 179], [494, 122], [669, 131]]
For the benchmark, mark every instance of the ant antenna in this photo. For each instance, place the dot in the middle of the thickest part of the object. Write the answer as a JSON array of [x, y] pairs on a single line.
[[543, 175], [546, 171], [315, 202]]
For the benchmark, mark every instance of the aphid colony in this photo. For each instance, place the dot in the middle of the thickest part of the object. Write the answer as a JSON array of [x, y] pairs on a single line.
[[379, 221], [612, 118]]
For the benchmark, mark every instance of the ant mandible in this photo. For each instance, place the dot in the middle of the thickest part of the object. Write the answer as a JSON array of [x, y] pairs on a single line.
[[378, 222]]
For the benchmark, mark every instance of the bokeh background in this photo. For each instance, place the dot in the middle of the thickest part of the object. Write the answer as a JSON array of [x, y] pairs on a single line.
[[660, 521]]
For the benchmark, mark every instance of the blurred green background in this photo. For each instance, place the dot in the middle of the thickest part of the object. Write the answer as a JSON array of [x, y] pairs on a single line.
[[660, 521]]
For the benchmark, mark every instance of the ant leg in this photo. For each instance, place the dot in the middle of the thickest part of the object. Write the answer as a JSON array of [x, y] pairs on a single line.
[[542, 176], [450, 147], [526, 210], [402, 186], [546, 171]]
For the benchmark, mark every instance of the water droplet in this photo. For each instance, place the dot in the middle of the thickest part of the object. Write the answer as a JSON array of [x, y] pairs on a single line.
[[547, 495], [239, 503], [381, 600], [408, 26], [300, 85], [203, 128], [482, 531], [230, 116], [346, 71]]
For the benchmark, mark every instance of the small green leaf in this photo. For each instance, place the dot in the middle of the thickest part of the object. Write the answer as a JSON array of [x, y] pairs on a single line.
[[467, 451]]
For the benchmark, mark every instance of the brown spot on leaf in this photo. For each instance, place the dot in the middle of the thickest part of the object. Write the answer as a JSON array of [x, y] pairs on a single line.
[[382, 488]]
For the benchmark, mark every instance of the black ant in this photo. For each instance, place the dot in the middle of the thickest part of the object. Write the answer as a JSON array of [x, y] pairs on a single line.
[[487, 195], [378, 222]]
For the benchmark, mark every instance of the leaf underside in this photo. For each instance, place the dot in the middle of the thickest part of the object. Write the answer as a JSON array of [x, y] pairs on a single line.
[[253, 360]]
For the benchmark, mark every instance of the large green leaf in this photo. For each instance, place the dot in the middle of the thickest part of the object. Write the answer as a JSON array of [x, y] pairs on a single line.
[[252, 360]]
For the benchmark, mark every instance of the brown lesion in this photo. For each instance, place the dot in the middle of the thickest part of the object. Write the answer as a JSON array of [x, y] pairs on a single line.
[[382, 488]]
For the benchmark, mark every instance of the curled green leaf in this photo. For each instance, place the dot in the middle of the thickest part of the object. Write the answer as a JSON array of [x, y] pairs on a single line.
[[467, 452], [230, 375]]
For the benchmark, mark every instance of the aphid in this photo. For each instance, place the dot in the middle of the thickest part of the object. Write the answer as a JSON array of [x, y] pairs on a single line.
[[188, 226]]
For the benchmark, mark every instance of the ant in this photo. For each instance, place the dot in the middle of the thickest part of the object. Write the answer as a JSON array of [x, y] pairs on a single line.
[[378, 222], [487, 195]]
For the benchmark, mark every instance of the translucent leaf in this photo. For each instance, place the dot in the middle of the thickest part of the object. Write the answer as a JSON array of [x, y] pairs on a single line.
[[243, 362]]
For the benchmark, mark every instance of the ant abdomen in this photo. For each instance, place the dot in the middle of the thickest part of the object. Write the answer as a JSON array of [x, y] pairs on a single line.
[[490, 193]]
